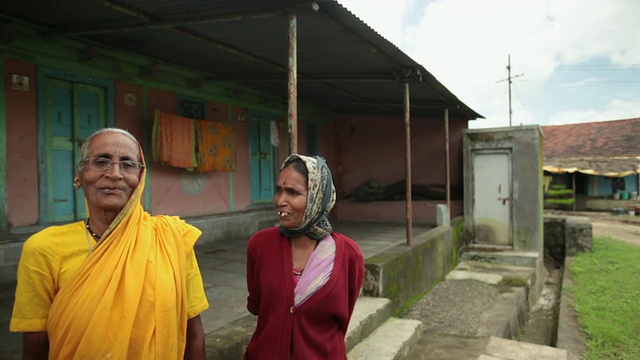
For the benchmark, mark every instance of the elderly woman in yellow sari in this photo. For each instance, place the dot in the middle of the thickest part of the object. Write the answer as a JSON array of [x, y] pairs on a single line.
[[121, 284]]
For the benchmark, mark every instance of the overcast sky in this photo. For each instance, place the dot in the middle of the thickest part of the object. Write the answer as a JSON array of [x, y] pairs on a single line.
[[571, 60]]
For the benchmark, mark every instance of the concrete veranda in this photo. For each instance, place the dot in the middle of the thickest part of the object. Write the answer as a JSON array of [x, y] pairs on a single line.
[[223, 266]]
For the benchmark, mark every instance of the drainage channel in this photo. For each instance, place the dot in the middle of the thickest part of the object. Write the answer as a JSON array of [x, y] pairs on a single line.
[[541, 326]]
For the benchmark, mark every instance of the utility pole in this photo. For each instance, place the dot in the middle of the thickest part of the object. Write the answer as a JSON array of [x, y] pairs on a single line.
[[509, 78]]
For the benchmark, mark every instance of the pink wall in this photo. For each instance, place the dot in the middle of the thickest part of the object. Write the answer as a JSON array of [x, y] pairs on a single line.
[[129, 116], [356, 148], [375, 148], [170, 186], [359, 148], [22, 153], [422, 211], [241, 183]]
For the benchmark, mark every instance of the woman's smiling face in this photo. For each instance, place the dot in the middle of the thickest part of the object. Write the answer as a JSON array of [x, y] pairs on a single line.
[[291, 197], [110, 189]]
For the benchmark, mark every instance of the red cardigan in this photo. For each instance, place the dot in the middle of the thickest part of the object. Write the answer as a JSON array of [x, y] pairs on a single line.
[[317, 328]]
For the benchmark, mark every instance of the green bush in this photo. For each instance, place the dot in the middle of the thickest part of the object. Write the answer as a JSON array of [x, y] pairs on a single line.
[[560, 193], [568, 201], [558, 197]]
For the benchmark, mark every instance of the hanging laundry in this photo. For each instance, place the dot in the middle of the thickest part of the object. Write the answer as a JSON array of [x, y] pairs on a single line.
[[174, 140], [274, 135], [216, 146]]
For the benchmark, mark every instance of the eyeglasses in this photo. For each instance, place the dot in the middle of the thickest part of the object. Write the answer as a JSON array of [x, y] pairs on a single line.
[[104, 164]]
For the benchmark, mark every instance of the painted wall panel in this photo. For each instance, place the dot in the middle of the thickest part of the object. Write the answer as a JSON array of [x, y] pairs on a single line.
[[22, 156]]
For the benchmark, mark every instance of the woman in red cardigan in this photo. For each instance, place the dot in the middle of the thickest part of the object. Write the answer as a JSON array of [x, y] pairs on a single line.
[[303, 278]]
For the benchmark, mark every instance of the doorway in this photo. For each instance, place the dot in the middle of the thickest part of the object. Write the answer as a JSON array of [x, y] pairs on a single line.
[[261, 158], [492, 203], [69, 111]]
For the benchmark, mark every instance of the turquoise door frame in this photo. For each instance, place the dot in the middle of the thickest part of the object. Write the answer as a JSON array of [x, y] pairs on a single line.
[[70, 108], [261, 157]]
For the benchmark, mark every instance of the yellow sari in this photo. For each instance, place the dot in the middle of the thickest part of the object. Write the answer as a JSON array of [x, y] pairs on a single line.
[[128, 300]]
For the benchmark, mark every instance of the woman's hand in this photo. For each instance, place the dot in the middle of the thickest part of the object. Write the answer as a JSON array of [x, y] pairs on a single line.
[[35, 345], [195, 349]]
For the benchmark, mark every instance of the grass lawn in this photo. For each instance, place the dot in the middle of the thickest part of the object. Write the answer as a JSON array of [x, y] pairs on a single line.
[[607, 298]]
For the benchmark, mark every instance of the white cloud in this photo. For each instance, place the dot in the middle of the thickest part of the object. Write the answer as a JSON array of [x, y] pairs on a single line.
[[465, 45], [617, 109]]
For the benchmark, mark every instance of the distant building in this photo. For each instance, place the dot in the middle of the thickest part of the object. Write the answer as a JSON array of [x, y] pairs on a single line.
[[598, 160]]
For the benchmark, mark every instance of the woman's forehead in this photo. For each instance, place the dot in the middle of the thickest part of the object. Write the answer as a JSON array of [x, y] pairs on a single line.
[[290, 176], [111, 142]]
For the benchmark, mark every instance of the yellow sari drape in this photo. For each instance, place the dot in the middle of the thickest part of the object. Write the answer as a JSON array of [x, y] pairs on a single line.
[[128, 300]]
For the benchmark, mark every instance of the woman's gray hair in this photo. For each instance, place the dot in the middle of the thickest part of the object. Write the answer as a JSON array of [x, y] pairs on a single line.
[[86, 145]]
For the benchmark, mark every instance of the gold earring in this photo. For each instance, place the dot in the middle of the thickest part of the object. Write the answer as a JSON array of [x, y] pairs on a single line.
[[76, 184]]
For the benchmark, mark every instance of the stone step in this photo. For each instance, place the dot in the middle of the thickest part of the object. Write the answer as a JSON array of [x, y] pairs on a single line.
[[368, 314], [504, 349], [508, 257], [229, 341], [394, 340]]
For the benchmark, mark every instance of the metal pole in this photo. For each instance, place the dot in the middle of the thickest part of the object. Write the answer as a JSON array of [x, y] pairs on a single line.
[[509, 77], [293, 85], [447, 160], [407, 127]]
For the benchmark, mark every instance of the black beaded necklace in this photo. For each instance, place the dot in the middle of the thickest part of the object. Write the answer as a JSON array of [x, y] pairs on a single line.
[[86, 225]]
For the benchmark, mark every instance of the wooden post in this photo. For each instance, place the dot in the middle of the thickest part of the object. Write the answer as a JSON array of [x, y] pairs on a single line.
[[407, 127], [447, 159], [293, 85]]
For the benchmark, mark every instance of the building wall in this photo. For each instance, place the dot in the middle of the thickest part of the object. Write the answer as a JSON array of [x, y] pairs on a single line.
[[594, 185], [602, 185], [356, 147], [22, 155], [166, 191], [374, 148]]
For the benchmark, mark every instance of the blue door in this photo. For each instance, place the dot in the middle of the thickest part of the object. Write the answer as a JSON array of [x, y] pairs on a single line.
[[261, 159], [72, 112]]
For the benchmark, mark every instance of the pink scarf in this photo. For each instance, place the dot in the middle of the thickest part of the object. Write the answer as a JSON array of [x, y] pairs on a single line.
[[317, 271]]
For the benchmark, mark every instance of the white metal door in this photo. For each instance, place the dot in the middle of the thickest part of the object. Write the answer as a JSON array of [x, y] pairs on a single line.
[[492, 197]]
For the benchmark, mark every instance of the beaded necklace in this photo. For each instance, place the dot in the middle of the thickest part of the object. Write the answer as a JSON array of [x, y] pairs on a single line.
[[86, 225]]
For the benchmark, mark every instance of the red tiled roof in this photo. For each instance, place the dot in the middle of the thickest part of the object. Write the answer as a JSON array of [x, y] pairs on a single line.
[[617, 138]]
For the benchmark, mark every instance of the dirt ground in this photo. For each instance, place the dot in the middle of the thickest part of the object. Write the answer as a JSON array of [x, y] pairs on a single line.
[[622, 227]]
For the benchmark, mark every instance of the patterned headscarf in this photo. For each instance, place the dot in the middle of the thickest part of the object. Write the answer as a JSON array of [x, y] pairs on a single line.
[[321, 196]]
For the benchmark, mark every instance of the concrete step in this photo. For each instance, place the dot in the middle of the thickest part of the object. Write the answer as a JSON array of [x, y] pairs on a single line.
[[497, 256], [368, 315], [394, 340], [229, 341], [503, 349]]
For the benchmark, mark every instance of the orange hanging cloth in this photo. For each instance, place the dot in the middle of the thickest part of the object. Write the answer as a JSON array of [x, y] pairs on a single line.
[[216, 146], [174, 140]]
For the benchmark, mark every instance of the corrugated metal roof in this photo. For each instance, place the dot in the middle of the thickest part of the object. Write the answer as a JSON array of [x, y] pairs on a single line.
[[343, 64]]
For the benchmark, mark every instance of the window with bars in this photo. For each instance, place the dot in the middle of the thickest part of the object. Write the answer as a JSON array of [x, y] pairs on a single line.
[[192, 109]]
